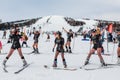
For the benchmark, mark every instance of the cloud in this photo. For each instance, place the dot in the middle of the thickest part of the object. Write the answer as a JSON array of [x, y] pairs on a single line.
[[22, 9]]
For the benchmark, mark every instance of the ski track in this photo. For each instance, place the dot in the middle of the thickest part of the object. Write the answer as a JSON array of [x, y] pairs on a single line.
[[36, 71]]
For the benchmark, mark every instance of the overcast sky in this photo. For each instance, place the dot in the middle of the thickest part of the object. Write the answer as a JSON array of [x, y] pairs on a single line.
[[11, 10]]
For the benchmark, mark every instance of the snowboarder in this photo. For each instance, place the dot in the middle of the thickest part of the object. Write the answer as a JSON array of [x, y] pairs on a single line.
[[24, 38], [15, 45], [35, 45], [96, 40], [68, 43], [59, 41]]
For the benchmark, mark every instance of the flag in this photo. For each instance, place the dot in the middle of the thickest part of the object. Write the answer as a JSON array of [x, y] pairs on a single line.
[[110, 28]]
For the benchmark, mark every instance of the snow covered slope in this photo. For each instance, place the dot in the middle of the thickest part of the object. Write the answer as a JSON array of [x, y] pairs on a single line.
[[55, 23], [36, 71], [90, 24]]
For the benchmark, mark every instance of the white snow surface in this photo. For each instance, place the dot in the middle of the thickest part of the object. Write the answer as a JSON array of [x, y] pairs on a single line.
[[54, 23], [36, 71]]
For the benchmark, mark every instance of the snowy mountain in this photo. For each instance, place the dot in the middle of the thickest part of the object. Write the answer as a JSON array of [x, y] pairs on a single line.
[[55, 23]]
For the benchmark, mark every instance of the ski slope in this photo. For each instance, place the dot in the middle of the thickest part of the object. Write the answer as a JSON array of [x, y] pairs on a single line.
[[55, 23], [36, 71]]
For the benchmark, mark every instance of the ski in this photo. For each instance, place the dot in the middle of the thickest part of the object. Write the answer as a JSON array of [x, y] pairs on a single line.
[[105, 67], [20, 70], [113, 64], [31, 53], [58, 68], [103, 54], [99, 67], [5, 70]]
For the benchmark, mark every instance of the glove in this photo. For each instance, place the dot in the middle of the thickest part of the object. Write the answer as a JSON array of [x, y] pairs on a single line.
[[53, 50]]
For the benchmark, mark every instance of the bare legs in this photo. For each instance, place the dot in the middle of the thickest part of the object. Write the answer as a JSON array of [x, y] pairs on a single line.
[[20, 54], [68, 47], [99, 55], [63, 59], [35, 47]]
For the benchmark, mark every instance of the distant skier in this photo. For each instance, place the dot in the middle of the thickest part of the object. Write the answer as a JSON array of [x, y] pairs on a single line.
[[48, 38], [69, 37], [15, 45], [114, 37], [96, 40], [59, 41], [4, 34], [0, 46], [36, 39], [24, 39], [84, 35], [118, 50]]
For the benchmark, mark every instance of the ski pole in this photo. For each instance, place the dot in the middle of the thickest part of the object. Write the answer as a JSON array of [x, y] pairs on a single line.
[[73, 44], [113, 52], [107, 44]]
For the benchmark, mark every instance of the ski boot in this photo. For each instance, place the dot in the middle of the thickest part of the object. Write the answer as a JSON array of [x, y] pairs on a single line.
[[66, 50], [55, 63], [34, 50], [103, 63], [86, 62], [64, 63], [4, 62], [24, 62], [37, 51], [70, 51]]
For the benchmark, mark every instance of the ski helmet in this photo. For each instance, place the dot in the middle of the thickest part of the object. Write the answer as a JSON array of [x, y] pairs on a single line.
[[59, 33], [70, 30]]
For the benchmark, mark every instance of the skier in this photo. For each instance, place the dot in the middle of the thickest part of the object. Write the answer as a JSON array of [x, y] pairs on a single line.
[[4, 34], [15, 45], [35, 45], [84, 35], [59, 41], [48, 38], [68, 43], [118, 50], [100, 32], [0, 46], [114, 37], [95, 39], [24, 38]]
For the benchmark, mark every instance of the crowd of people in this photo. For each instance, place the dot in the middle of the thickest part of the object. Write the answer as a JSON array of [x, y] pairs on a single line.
[[95, 35]]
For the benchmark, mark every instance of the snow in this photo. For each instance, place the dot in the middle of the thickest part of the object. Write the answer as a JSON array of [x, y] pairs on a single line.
[[90, 24], [36, 71], [53, 23]]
